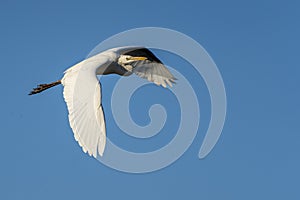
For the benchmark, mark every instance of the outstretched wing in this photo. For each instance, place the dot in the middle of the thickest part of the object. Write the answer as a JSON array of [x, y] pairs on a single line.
[[83, 97], [154, 71]]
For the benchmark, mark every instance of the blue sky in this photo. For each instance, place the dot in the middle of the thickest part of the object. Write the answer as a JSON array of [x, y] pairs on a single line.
[[256, 47]]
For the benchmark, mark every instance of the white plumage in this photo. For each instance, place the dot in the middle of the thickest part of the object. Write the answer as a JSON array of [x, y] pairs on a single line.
[[82, 90]]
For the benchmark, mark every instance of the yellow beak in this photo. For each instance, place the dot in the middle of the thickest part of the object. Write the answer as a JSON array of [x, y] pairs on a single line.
[[138, 58]]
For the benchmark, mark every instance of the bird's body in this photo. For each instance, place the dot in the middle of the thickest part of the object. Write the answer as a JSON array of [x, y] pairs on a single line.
[[82, 91]]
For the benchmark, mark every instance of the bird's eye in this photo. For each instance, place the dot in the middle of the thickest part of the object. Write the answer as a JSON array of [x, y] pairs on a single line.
[[127, 58]]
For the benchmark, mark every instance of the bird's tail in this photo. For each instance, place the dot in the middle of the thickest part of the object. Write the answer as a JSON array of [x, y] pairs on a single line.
[[42, 87]]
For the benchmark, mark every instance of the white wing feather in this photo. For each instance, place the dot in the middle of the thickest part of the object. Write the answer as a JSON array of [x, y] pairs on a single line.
[[83, 97], [154, 72]]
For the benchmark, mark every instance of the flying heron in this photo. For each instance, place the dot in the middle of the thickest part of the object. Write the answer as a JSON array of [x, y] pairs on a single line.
[[82, 90]]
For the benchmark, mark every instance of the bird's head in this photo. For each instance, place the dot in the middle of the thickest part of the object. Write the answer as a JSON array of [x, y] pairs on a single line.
[[126, 59]]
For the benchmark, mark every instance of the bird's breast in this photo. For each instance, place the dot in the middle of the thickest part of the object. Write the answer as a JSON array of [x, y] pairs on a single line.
[[113, 68]]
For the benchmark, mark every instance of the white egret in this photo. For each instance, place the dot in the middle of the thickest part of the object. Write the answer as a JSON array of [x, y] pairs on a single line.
[[82, 91]]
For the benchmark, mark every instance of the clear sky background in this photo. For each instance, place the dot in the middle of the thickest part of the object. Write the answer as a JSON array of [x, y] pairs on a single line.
[[255, 44]]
